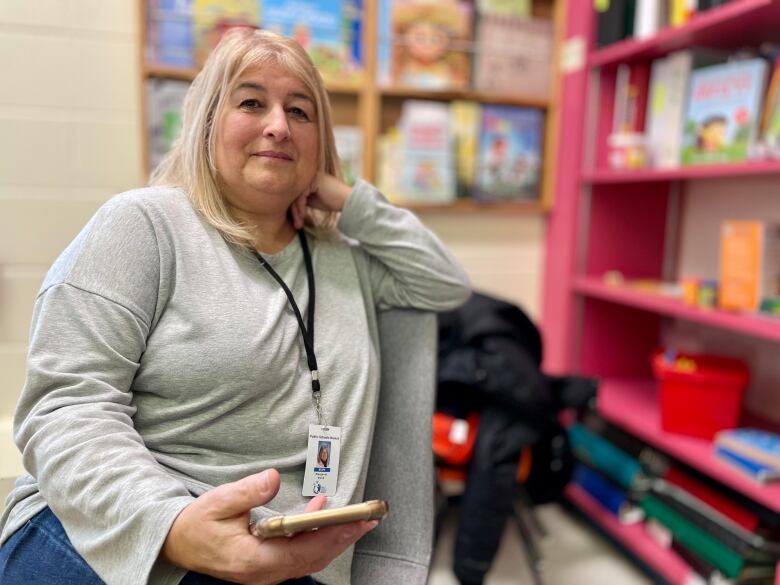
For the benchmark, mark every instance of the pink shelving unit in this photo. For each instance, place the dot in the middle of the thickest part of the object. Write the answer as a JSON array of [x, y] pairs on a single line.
[[630, 221], [738, 23], [632, 404], [743, 170], [663, 561], [761, 326]]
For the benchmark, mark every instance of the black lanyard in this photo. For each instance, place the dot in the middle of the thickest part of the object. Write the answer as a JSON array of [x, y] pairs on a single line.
[[307, 332]]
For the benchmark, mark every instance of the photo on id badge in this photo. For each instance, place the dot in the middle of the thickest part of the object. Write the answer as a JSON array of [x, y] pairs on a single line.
[[323, 457]]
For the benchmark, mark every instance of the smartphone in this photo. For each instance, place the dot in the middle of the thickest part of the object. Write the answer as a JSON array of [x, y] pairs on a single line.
[[276, 526]]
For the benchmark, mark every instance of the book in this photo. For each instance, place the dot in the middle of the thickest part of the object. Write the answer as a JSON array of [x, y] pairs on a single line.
[[748, 544], [605, 457], [513, 55], [465, 115], [749, 264], [349, 145], [431, 43], [329, 30], [668, 97], [609, 495], [170, 33], [715, 498], [759, 445], [723, 112], [510, 151], [753, 469], [428, 170], [164, 98], [212, 18], [649, 17], [612, 16], [709, 548], [512, 8]]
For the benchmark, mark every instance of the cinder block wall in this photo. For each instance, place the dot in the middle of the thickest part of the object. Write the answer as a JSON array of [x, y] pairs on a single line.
[[70, 138]]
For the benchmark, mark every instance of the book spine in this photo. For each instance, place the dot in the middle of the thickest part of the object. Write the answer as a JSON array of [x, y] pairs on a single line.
[[753, 469], [698, 541], [605, 457]]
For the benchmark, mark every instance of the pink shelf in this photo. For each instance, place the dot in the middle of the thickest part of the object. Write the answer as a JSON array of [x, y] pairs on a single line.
[[748, 324], [609, 177], [663, 561], [741, 22], [633, 405]]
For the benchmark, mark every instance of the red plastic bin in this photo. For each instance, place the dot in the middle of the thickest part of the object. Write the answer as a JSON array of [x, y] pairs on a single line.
[[704, 401]]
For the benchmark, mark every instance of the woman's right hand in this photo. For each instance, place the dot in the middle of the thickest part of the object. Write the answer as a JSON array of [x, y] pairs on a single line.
[[211, 536]]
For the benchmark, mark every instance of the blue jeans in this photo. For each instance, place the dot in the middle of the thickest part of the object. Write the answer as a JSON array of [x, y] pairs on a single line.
[[41, 552]]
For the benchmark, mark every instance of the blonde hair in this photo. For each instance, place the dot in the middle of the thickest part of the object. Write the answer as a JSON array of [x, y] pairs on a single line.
[[190, 164]]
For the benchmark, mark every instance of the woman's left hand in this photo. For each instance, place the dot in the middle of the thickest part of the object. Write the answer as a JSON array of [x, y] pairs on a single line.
[[326, 192]]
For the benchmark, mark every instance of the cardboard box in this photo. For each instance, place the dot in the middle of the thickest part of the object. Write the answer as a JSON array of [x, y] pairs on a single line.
[[749, 264]]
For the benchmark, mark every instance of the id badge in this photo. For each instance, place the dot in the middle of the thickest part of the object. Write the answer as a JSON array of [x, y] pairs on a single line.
[[322, 461]]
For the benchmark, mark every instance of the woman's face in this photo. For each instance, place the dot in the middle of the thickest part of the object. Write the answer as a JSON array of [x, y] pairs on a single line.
[[267, 141], [323, 454]]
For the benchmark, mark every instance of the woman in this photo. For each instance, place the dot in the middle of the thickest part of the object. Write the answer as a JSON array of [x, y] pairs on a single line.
[[167, 357]]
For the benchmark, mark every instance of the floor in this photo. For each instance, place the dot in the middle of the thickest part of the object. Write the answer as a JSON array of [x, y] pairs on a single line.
[[573, 555]]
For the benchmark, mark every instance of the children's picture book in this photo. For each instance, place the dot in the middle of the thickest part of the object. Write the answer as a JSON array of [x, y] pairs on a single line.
[[510, 147], [428, 172], [212, 18], [329, 30], [349, 145], [513, 56], [667, 99], [723, 113], [164, 98], [170, 39], [431, 45]]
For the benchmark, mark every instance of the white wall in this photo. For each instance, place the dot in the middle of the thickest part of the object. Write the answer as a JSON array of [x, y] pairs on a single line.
[[70, 138]]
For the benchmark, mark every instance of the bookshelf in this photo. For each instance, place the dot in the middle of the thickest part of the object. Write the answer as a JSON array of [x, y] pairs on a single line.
[[373, 108], [635, 222]]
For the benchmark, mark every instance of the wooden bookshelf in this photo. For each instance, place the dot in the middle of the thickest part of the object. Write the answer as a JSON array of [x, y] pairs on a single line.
[[363, 105]]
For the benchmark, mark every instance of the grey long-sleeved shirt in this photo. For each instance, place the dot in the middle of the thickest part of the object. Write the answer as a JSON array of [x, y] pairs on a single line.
[[164, 362]]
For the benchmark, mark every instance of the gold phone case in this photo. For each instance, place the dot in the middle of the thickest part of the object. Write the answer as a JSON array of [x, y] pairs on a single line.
[[286, 525]]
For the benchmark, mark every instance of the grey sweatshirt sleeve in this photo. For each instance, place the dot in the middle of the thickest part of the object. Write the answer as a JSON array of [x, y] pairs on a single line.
[[74, 423], [408, 266]]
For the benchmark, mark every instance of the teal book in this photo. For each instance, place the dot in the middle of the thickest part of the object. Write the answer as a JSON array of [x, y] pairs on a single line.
[[606, 457]]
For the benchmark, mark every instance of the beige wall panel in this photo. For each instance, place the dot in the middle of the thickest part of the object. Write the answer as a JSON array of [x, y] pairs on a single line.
[[502, 255], [10, 457], [17, 295], [12, 360], [107, 16], [35, 232], [68, 73], [31, 193], [61, 154]]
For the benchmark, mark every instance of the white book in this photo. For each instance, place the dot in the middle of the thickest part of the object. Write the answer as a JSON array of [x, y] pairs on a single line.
[[648, 18], [428, 173]]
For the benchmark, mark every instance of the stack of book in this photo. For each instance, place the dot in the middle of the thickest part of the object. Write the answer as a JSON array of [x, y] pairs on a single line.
[[722, 536], [752, 452]]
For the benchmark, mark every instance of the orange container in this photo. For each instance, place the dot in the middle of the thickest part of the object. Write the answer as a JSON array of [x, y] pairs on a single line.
[[700, 394]]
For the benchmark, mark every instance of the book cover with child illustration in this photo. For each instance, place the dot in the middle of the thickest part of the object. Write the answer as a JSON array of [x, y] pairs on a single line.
[[724, 107], [509, 153]]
